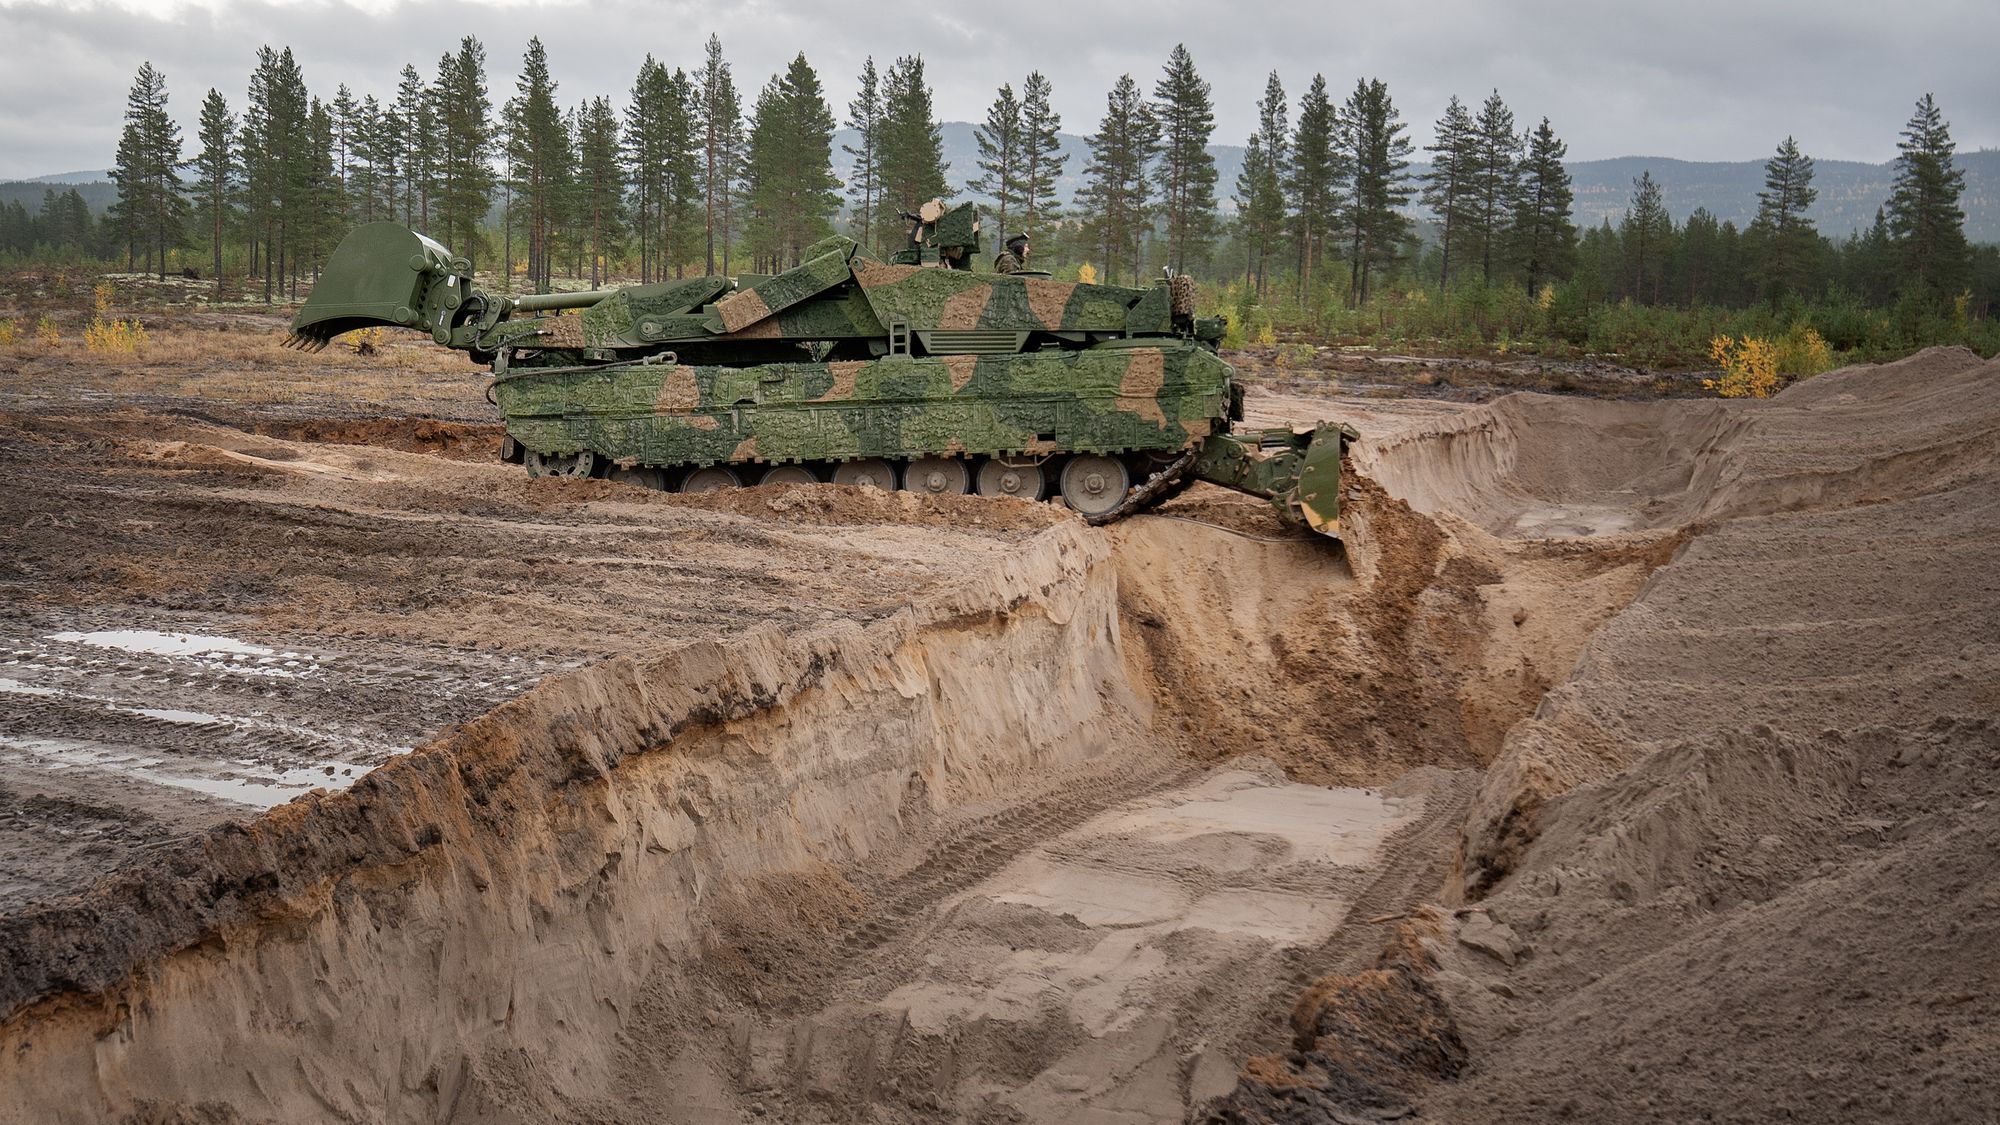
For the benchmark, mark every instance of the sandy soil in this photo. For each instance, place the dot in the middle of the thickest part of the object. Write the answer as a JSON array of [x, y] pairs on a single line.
[[1634, 760], [1737, 866], [346, 602]]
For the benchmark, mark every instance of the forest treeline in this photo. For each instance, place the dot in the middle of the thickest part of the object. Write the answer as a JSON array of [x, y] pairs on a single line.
[[684, 177]]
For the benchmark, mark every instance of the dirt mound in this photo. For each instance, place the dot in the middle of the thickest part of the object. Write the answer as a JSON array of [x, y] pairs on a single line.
[[1856, 601], [1735, 865], [1535, 466]]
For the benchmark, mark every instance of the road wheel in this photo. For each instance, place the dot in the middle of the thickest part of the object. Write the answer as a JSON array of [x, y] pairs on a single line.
[[712, 479], [788, 474], [1025, 482], [641, 476], [937, 475], [1094, 485], [872, 473]]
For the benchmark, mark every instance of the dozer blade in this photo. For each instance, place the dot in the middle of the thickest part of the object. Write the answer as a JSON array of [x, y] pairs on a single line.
[[1317, 494], [378, 275], [1297, 470]]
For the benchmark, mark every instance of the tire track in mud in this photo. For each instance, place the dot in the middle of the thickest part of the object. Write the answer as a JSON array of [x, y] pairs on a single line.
[[852, 1039], [972, 850]]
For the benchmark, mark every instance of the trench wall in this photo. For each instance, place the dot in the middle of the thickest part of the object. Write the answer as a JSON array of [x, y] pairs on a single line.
[[490, 904]]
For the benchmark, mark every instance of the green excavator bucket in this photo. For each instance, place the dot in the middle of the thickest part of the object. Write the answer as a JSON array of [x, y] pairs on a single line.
[[379, 275]]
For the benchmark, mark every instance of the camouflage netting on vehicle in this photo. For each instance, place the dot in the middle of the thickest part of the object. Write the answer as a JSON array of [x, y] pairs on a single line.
[[958, 300], [854, 369], [1102, 401]]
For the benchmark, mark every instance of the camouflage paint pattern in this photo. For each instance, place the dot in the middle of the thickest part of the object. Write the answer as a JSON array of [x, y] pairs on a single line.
[[1100, 400], [841, 358]]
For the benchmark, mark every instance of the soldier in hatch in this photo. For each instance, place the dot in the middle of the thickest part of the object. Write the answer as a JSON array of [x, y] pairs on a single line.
[[1014, 259]]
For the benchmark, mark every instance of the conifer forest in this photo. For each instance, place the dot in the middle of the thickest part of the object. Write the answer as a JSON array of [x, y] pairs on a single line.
[[1352, 217]]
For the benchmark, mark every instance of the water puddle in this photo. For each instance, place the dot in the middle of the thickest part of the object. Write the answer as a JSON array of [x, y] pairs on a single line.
[[242, 781], [225, 654], [16, 687]]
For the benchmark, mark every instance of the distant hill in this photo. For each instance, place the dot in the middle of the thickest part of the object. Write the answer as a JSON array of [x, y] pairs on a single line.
[[96, 188], [87, 176], [1849, 191]]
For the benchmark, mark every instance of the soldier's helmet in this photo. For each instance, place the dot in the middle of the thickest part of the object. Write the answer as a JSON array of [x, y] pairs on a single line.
[[1017, 242]]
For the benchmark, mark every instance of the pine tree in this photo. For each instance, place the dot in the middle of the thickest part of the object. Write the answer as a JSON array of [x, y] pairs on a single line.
[[322, 197], [1447, 189], [1786, 238], [364, 178], [681, 211], [1116, 194], [464, 178], [792, 191], [151, 206], [539, 160], [1926, 222], [864, 181], [1260, 186], [1042, 158], [912, 147], [1700, 259], [1186, 169], [650, 160], [1874, 262], [1378, 151], [417, 150], [127, 214], [1491, 185], [17, 228], [719, 120], [1543, 242], [276, 153], [1646, 232], [215, 171], [66, 221], [346, 124], [999, 141], [1320, 166], [600, 185]]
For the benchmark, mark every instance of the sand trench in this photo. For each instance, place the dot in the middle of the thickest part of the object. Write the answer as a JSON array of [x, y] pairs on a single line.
[[1057, 823]]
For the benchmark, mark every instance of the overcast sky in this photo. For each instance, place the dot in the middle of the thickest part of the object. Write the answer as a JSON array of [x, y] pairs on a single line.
[[1699, 79]]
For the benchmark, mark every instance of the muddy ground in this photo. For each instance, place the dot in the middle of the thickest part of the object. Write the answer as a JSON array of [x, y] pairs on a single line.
[[830, 805]]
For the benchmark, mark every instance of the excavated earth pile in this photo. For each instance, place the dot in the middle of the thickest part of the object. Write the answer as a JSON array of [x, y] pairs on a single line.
[[1738, 864], [1620, 731]]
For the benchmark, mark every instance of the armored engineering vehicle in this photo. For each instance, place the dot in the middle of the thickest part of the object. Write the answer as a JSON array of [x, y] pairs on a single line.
[[917, 373]]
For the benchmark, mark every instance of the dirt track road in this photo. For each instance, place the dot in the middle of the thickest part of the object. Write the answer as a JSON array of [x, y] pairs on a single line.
[[201, 621]]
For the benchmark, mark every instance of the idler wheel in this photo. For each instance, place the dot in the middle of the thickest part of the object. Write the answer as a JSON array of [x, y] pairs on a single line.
[[1094, 485], [560, 464], [641, 476], [997, 478], [937, 475], [872, 473], [712, 479], [788, 474]]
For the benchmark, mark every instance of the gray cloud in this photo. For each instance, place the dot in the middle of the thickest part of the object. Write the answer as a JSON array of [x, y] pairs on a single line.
[[1703, 80]]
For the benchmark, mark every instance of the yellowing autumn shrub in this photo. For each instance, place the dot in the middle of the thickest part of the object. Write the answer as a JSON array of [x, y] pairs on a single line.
[[106, 333], [1749, 367]]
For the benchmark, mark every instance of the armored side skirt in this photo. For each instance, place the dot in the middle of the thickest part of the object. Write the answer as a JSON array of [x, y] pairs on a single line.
[[1100, 400]]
